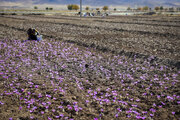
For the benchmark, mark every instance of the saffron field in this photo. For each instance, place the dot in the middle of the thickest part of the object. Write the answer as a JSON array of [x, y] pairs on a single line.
[[110, 68]]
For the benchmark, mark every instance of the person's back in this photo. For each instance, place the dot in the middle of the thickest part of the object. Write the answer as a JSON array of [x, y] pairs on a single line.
[[32, 34]]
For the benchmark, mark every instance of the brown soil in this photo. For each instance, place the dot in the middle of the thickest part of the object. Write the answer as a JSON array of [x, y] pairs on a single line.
[[113, 68]]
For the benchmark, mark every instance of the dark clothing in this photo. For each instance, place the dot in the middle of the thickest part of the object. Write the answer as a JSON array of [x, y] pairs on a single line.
[[32, 34]]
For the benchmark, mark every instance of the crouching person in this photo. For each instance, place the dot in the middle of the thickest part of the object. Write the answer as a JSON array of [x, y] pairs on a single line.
[[33, 34]]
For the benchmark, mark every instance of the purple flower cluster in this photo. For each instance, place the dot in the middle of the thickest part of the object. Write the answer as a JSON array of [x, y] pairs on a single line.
[[61, 80]]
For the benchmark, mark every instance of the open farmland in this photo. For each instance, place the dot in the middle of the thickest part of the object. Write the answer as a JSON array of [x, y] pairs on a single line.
[[112, 68]]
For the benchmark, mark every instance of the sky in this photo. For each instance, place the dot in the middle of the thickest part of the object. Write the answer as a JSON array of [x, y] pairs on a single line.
[[61, 4]]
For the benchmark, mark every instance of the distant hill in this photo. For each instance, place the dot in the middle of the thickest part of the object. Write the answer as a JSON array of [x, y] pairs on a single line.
[[150, 3], [125, 3]]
